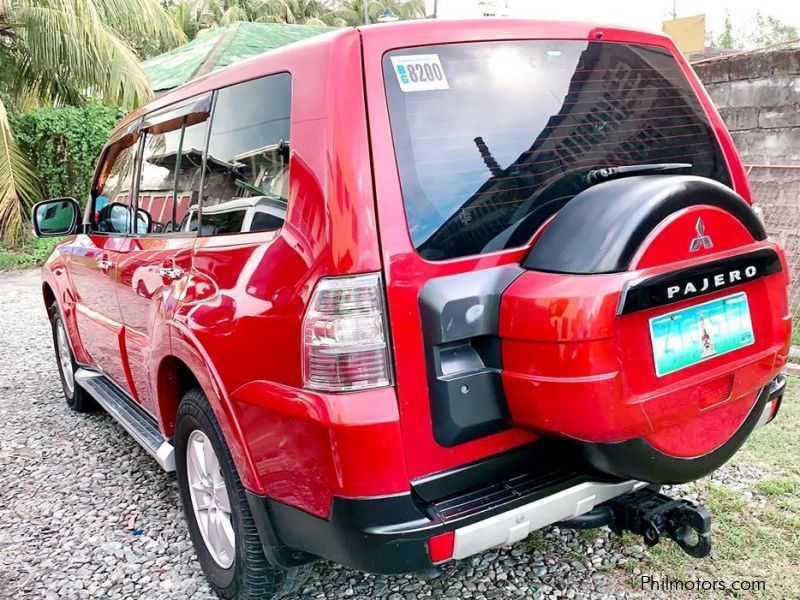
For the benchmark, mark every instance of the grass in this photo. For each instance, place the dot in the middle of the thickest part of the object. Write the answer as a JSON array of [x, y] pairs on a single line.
[[31, 253], [756, 537]]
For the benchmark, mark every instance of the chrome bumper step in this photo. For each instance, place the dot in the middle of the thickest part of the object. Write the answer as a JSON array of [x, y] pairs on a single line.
[[513, 525], [142, 427]]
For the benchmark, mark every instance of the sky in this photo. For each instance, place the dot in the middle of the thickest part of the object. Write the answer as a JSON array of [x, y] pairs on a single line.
[[641, 14]]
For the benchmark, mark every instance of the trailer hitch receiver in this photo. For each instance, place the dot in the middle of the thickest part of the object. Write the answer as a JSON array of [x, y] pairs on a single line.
[[654, 516]]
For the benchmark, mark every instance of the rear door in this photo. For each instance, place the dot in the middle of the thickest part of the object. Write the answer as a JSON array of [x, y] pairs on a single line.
[[476, 145], [242, 261], [155, 261], [93, 263]]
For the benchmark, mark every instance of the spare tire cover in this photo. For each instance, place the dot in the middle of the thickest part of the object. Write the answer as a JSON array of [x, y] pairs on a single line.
[[579, 359]]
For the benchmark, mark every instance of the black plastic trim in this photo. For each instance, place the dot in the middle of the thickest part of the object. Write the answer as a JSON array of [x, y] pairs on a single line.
[[390, 534], [599, 516], [278, 555], [466, 305], [655, 291], [379, 535], [600, 230], [486, 470], [460, 320]]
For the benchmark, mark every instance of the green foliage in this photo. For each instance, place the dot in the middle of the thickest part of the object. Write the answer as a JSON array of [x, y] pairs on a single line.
[[764, 31], [32, 253], [768, 30], [352, 11], [57, 52], [195, 17], [63, 145], [18, 184], [726, 39]]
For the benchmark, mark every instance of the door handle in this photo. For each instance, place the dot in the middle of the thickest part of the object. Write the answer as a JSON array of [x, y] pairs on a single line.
[[104, 264], [171, 272]]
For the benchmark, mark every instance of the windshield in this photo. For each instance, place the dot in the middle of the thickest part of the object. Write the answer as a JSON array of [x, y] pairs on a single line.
[[493, 138]]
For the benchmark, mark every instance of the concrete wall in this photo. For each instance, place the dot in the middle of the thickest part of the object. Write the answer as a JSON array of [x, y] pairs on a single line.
[[758, 97]]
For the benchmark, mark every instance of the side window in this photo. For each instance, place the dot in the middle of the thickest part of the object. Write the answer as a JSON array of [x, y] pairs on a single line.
[[170, 175], [247, 184], [112, 210]]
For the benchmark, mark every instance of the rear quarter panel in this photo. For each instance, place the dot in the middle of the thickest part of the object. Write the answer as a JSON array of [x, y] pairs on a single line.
[[243, 307]]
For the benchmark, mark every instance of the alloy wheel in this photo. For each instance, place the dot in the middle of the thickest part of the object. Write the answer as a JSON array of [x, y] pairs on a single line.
[[210, 500], [65, 357]]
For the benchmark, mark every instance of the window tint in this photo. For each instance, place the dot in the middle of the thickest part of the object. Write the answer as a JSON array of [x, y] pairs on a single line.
[[248, 158], [264, 222], [169, 180], [112, 198], [499, 140], [229, 221]]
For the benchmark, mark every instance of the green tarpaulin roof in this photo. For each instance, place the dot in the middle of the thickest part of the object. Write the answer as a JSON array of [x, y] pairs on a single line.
[[219, 48]]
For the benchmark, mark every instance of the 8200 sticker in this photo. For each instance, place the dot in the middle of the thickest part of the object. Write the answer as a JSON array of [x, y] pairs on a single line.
[[420, 73]]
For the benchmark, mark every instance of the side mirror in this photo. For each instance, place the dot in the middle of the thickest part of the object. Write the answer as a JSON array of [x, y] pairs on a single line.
[[55, 217]]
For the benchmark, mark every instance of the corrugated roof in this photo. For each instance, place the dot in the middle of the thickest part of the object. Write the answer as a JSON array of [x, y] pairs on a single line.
[[219, 48]]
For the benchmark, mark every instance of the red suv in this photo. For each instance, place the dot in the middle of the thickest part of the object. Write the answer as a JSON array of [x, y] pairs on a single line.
[[396, 295]]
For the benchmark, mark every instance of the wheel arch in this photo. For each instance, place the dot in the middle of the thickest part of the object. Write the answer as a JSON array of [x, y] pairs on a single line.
[[185, 368], [174, 379], [48, 295], [54, 296]]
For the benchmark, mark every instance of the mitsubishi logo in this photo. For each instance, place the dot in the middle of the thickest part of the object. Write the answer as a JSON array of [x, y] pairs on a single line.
[[702, 240]]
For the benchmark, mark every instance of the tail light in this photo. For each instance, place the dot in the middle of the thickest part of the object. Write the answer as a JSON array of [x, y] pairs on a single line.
[[344, 335]]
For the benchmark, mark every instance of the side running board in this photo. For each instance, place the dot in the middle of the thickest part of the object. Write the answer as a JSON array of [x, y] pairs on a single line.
[[136, 421]]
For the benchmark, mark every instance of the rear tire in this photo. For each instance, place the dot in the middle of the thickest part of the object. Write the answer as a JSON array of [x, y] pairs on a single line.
[[209, 479], [77, 398]]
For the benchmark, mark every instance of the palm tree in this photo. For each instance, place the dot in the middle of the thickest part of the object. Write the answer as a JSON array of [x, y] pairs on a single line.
[[68, 51], [352, 11], [192, 16], [196, 16]]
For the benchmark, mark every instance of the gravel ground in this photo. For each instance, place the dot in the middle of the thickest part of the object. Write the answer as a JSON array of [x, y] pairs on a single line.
[[85, 513]]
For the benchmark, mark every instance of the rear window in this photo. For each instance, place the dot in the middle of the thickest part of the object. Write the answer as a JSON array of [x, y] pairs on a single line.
[[493, 138], [221, 223]]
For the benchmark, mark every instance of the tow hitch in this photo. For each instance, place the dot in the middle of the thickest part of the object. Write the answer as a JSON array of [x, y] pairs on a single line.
[[653, 516]]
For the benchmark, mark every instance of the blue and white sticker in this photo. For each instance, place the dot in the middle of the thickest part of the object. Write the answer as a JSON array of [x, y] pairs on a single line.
[[420, 73]]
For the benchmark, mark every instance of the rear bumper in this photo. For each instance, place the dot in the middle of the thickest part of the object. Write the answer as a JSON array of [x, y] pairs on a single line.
[[392, 534], [774, 400]]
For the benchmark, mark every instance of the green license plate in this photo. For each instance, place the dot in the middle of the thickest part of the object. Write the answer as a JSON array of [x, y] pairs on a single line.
[[686, 337]]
